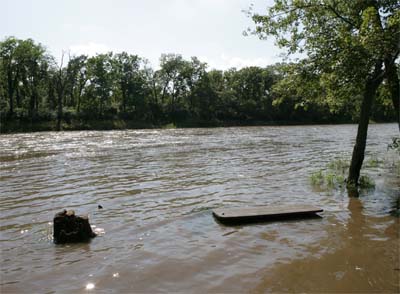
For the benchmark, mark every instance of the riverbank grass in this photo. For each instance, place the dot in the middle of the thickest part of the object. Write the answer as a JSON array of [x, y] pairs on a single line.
[[335, 173]]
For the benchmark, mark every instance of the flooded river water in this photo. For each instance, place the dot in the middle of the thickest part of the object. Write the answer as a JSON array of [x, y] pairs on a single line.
[[157, 189]]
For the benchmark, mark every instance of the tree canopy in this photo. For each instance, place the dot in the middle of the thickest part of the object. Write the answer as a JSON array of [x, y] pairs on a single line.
[[76, 90], [351, 49], [346, 42]]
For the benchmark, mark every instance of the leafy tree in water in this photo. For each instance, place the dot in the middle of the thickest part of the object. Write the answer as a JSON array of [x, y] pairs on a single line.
[[351, 44]]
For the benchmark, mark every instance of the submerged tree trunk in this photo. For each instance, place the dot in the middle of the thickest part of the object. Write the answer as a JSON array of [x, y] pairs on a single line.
[[357, 159]]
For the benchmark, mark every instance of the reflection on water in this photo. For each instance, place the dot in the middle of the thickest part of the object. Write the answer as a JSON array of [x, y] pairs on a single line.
[[157, 189], [365, 260]]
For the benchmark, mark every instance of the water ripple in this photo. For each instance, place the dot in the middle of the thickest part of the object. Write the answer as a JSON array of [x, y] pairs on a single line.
[[157, 188]]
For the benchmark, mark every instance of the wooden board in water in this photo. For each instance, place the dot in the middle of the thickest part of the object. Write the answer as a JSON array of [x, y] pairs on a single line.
[[261, 213]]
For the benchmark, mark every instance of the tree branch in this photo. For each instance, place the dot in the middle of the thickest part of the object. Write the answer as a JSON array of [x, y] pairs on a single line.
[[327, 7], [332, 9]]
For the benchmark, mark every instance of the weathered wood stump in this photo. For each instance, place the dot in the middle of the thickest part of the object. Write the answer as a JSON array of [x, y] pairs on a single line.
[[70, 228]]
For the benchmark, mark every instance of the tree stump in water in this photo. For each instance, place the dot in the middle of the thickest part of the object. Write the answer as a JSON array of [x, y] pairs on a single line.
[[70, 228]]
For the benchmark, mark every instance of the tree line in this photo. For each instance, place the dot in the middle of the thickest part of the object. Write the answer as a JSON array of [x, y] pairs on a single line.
[[35, 87]]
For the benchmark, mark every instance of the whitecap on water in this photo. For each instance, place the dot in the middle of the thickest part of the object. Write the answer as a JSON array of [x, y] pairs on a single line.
[[99, 231], [90, 286]]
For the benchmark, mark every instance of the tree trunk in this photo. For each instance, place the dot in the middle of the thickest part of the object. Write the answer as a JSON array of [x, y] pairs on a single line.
[[80, 90], [124, 99], [163, 93], [59, 107], [50, 93], [72, 99], [361, 139], [60, 87], [31, 105], [18, 97], [10, 95], [394, 86], [78, 104], [155, 96], [36, 102]]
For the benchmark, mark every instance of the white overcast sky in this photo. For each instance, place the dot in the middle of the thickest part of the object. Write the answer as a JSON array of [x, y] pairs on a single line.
[[209, 29]]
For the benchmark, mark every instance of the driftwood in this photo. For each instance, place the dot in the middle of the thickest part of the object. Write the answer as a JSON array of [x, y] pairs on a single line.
[[70, 228]]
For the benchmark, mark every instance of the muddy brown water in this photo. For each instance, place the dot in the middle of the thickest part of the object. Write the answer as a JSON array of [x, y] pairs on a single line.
[[157, 234]]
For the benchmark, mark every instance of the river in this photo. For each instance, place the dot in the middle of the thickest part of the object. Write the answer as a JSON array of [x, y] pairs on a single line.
[[156, 232]]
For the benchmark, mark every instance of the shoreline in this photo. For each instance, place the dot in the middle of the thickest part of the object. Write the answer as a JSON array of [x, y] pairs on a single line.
[[23, 126]]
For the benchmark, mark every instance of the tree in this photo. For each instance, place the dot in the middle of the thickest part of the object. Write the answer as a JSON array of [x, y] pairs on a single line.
[[130, 82], [60, 76], [77, 79], [10, 68], [25, 66], [351, 44], [252, 87], [99, 70], [36, 87], [125, 69], [172, 78], [298, 95], [153, 90], [194, 73], [215, 104], [204, 98], [33, 64], [66, 82]]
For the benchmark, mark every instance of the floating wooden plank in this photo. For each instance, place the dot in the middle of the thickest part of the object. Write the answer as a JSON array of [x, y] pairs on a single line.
[[264, 213]]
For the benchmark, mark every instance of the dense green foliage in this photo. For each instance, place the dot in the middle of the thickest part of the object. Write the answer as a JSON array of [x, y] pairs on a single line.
[[112, 89], [351, 48], [348, 44]]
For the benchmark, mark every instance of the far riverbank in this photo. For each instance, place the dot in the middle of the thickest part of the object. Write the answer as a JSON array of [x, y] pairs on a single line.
[[27, 126]]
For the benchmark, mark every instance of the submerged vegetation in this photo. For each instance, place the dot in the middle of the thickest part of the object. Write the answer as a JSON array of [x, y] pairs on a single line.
[[395, 145], [335, 174]]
